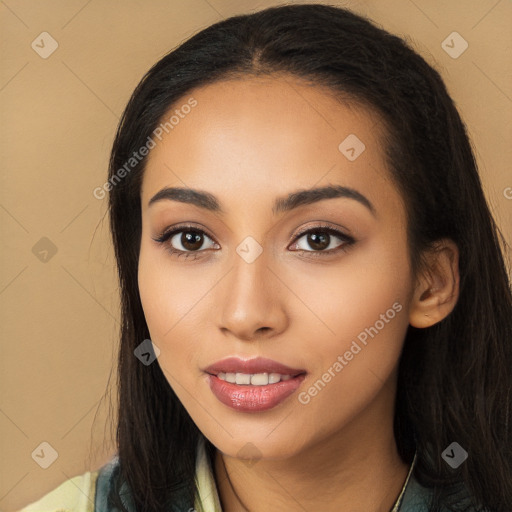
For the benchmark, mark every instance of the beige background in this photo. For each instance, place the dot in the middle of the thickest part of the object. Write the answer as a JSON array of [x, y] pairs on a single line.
[[59, 318]]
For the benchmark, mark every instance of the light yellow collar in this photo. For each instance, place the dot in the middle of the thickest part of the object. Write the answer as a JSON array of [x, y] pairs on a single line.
[[208, 496]]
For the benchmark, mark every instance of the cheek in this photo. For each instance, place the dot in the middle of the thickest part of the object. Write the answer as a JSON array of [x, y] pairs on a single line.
[[345, 298], [349, 370], [361, 321], [164, 299], [172, 300]]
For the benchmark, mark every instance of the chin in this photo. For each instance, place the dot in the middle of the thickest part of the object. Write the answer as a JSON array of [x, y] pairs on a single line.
[[260, 445]]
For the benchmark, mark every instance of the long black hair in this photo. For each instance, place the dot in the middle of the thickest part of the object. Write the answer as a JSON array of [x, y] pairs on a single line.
[[455, 378]]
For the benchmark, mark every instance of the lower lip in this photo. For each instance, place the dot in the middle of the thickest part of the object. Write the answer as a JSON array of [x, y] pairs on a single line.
[[246, 398]]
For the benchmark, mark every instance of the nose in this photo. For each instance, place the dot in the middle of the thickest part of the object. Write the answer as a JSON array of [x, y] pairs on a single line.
[[253, 301]]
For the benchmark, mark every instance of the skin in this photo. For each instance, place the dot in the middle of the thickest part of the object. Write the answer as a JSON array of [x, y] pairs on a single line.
[[248, 142]]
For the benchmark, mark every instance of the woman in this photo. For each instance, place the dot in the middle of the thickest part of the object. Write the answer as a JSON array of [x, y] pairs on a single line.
[[316, 310]]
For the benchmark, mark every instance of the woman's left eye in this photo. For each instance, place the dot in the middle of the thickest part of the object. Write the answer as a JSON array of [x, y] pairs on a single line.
[[189, 241], [322, 240]]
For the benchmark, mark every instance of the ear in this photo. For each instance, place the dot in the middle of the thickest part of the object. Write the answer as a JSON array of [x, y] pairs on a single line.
[[437, 287]]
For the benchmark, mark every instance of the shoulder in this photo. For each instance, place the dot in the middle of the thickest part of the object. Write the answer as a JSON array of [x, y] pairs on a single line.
[[84, 493], [417, 498], [73, 495]]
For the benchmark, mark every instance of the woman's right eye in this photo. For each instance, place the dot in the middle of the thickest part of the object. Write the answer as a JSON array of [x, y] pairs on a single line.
[[185, 240]]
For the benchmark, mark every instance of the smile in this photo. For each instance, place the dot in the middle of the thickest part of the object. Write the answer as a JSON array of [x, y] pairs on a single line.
[[255, 379], [252, 385]]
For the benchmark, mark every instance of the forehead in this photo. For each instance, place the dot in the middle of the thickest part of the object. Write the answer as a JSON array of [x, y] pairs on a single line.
[[259, 134]]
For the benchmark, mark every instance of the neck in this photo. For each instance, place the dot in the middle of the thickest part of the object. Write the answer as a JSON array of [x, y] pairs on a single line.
[[357, 468]]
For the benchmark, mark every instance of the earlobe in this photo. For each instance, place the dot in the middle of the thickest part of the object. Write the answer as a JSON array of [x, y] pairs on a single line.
[[437, 287]]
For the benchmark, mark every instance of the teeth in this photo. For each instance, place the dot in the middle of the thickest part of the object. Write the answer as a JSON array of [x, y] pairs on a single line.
[[255, 379], [273, 378], [259, 379], [243, 378]]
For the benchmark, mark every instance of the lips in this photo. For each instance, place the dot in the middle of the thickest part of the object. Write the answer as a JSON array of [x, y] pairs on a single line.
[[252, 385], [251, 366]]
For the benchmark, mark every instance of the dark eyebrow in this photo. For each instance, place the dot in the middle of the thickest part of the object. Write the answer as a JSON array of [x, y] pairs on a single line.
[[293, 200], [188, 195], [313, 195]]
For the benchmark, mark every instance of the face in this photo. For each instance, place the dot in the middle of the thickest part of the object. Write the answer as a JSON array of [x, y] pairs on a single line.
[[319, 283]]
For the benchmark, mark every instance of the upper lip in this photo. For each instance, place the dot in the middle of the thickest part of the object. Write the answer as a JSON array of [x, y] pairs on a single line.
[[256, 365]]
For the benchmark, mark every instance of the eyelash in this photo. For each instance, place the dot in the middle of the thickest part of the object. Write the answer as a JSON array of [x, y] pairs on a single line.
[[347, 240]]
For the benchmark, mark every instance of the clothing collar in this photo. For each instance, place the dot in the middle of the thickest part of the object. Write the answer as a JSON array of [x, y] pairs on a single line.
[[413, 497], [209, 501]]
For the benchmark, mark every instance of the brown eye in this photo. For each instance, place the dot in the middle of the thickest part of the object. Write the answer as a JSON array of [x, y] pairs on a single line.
[[191, 240], [185, 240], [322, 240], [318, 242]]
